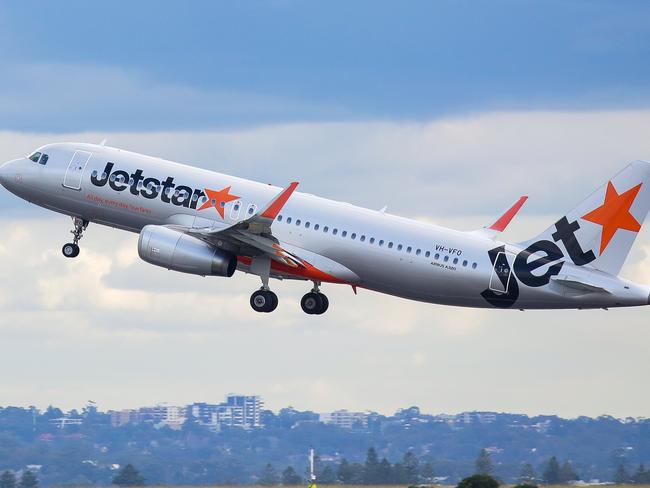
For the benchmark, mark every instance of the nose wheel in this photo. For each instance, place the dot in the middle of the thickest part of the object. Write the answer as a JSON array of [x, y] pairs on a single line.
[[264, 301], [71, 249]]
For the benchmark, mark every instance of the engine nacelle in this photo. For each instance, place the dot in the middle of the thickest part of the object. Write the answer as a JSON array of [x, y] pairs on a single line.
[[177, 251]]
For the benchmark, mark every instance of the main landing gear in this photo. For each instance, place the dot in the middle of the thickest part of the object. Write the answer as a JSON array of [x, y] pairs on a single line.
[[71, 249], [265, 301], [315, 302]]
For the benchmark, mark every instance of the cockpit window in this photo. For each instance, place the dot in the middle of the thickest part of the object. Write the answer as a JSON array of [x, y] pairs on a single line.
[[38, 157]]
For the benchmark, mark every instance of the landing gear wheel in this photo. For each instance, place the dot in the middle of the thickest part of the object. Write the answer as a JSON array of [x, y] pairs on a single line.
[[314, 303], [70, 250], [326, 303], [264, 301]]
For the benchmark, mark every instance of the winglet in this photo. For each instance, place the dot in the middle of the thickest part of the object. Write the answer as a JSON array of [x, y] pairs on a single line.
[[503, 221], [274, 208]]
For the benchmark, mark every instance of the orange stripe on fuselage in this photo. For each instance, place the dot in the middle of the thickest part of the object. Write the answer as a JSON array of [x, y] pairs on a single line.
[[308, 272]]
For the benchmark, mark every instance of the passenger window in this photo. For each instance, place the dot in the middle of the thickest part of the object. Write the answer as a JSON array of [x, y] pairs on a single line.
[[417, 253], [279, 218], [455, 260], [288, 220], [35, 157], [381, 242], [372, 240], [473, 265], [344, 233], [316, 226], [362, 238], [298, 222], [44, 159], [437, 256], [465, 263], [446, 259], [325, 229], [408, 249], [335, 231], [390, 245], [307, 225], [353, 236], [252, 208], [399, 247], [427, 254]]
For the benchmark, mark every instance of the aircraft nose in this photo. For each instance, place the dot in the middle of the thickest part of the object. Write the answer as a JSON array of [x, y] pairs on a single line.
[[8, 173], [4, 173]]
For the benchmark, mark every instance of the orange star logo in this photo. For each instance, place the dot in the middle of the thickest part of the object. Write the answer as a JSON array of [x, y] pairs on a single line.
[[615, 214], [218, 199]]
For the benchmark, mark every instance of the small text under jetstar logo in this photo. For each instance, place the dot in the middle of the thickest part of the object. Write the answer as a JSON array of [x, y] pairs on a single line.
[[167, 190]]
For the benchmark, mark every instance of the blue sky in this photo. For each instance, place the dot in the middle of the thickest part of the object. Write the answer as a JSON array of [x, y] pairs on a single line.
[[154, 65]]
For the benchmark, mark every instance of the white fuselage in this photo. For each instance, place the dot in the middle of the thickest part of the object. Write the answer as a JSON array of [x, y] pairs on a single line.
[[388, 254]]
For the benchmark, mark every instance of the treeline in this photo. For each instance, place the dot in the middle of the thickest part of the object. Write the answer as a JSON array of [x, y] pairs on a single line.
[[410, 471]]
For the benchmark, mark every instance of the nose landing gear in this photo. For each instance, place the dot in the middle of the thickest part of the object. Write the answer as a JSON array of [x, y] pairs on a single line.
[[71, 249]]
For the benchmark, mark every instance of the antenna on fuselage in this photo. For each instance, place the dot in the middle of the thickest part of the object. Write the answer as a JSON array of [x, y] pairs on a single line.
[[103, 143], [383, 209]]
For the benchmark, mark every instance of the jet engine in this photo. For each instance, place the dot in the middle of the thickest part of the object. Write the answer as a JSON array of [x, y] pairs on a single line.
[[177, 251]]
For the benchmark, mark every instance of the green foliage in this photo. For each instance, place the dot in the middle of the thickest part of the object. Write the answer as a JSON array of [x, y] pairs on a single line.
[[371, 474], [527, 475], [290, 477], [551, 474], [269, 477], [483, 462], [641, 477], [478, 481], [8, 480], [128, 476], [28, 480], [621, 477], [525, 485]]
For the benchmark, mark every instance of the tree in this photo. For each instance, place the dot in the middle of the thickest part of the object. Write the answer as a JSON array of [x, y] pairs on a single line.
[[567, 473], [411, 468], [483, 462], [621, 477], [427, 472], [345, 474], [527, 475], [385, 474], [641, 477], [371, 468], [551, 474], [8, 480], [327, 476], [128, 476], [478, 481], [269, 477], [28, 480], [290, 477]]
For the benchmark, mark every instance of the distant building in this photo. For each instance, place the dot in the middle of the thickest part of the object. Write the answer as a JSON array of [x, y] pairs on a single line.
[[123, 417], [345, 419], [238, 411]]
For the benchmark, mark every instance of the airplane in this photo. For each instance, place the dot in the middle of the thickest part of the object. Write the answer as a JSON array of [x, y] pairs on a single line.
[[205, 223]]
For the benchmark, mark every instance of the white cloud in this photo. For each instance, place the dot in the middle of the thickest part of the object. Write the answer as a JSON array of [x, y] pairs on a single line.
[[110, 327]]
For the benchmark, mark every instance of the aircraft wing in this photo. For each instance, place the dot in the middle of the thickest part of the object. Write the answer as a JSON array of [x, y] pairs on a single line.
[[254, 237]]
